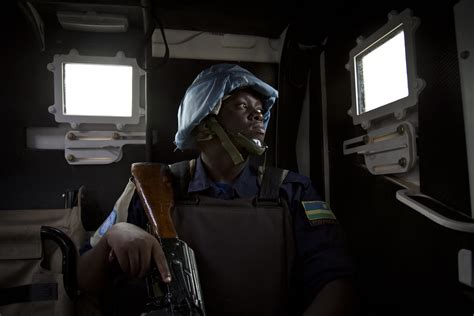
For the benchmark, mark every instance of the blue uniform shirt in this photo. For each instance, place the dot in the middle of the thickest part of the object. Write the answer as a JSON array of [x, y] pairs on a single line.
[[320, 253]]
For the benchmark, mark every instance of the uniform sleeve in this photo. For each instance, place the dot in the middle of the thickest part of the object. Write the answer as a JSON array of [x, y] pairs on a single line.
[[128, 208], [118, 214], [321, 256], [136, 213]]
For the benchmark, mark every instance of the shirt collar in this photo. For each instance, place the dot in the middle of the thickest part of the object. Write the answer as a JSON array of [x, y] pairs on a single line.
[[244, 186]]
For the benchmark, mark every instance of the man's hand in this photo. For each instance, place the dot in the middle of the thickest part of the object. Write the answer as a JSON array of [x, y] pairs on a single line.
[[135, 249]]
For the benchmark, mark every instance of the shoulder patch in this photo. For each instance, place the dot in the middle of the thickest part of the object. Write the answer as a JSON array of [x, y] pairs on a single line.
[[318, 213]]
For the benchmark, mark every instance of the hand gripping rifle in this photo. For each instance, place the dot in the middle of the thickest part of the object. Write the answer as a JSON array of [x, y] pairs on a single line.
[[182, 296]]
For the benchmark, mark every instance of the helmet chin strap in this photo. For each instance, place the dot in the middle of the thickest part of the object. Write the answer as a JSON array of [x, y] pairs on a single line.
[[233, 152], [252, 146]]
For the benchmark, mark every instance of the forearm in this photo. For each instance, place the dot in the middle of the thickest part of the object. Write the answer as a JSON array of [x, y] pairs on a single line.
[[335, 299], [133, 252], [93, 271]]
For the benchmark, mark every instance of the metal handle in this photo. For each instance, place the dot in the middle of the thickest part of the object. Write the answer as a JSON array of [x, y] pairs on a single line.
[[403, 196], [69, 259]]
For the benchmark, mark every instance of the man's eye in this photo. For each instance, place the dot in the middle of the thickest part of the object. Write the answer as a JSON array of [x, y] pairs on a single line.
[[243, 106]]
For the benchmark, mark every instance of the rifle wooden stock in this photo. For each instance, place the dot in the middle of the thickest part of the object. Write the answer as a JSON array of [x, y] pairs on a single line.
[[153, 183]]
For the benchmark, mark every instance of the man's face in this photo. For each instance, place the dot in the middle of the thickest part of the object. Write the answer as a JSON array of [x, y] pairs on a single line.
[[242, 112]]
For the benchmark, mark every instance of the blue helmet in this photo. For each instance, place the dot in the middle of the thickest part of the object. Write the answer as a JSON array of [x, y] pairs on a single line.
[[207, 91]]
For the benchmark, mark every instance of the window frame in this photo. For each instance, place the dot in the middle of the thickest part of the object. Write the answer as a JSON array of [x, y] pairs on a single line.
[[57, 67], [396, 22]]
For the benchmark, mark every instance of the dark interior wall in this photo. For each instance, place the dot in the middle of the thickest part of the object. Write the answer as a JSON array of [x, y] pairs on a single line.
[[442, 145], [407, 265], [34, 179], [293, 76]]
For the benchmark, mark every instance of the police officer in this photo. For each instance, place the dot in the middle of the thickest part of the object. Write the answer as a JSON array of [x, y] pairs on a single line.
[[265, 242]]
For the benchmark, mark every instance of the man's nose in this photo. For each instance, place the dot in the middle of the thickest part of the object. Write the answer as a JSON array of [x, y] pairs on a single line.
[[257, 115]]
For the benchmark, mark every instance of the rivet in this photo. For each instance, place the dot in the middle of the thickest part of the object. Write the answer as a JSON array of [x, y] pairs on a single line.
[[402, 162], [464, 54], [401, 129]]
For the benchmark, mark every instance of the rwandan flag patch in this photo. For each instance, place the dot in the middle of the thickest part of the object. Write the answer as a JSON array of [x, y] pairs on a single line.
[[318, 213]]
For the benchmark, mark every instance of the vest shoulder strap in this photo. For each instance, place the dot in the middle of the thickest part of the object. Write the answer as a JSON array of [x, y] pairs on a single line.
[[270, 180], [182, 173]]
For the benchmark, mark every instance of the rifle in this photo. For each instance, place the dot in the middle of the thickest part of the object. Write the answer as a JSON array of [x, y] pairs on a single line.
[[182, 296]]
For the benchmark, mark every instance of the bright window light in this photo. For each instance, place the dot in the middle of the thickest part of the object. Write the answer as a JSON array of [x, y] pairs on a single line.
[[382, 73], [97, 90]]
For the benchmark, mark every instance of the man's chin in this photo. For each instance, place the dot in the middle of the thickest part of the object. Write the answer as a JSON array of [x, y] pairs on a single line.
[[256, 136], [253, 144]]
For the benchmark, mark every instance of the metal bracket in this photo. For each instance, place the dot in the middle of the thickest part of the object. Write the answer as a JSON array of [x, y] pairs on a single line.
[[98, 147], [387, 150]]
